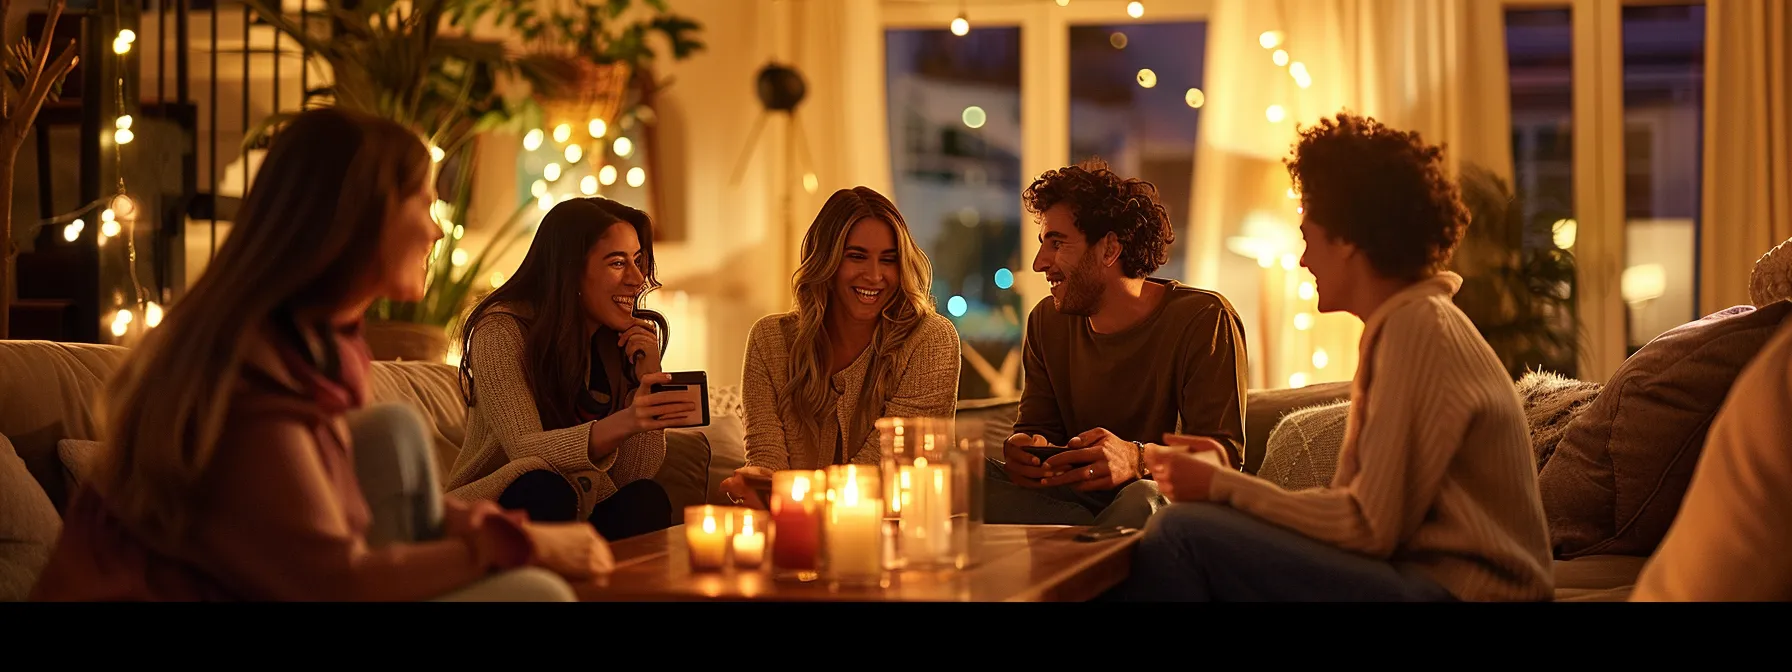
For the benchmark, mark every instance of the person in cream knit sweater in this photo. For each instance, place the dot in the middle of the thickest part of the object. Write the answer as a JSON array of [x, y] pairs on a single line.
[[1435, 497]]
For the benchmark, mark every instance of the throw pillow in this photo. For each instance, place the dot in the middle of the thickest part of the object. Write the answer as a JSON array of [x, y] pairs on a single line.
[[1614, 484], [1302, 451], [28, 526], [1551, 403]]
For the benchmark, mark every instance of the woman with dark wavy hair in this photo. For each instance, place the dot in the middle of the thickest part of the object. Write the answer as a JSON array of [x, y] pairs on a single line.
[[553, 368]]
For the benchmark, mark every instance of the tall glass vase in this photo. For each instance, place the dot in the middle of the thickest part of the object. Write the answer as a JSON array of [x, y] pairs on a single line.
[[932, 493]]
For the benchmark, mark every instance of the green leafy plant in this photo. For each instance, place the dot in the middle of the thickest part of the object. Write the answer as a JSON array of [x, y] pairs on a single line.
[[1517, 285], [594, 30]]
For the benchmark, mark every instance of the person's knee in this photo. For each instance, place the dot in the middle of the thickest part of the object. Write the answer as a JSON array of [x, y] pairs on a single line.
[[532, 584], [395, 428], [545, 495], [1194, 523]]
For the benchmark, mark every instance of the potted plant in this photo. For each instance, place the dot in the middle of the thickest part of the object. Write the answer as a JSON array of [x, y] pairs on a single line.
[[32, 77], [393, 60], [1517, 282]]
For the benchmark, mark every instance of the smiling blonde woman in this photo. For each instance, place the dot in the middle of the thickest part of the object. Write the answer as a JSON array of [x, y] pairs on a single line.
[[864, 342]]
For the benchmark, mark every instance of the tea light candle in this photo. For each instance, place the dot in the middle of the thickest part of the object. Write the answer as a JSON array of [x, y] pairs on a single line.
[[854, 529], [797, 506], [749, 543], [706, 534]]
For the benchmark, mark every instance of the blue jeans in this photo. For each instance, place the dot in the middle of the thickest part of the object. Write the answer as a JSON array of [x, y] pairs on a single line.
[[1212, 553], [396, 468]]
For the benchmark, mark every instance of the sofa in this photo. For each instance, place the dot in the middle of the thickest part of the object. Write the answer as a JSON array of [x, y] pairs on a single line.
[[46, 416]]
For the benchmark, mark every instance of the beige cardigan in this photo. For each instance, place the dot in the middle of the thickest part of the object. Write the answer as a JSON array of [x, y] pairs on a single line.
[[1436, 473], [505, 438], [928, 387]]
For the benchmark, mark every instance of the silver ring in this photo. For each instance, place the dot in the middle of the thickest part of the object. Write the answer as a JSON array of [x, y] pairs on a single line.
[[1091, 472]]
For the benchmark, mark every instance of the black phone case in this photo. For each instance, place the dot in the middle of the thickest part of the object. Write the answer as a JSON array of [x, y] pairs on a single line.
[[1044, 452], [687, 379]]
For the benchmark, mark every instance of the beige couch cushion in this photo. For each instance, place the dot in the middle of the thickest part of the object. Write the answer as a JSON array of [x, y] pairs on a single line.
[[47, 392], [433, 389], [28, 526]]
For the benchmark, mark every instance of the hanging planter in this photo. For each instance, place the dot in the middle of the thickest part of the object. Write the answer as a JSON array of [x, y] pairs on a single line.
[[597, 91]]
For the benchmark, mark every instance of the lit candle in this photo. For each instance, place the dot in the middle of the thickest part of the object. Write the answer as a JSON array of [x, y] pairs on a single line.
[[706, 535], [854, 525], [749, 543], [796, 523]]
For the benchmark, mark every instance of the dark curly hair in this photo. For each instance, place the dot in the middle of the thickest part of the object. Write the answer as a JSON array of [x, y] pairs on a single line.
[[1107, 203], [1383, 190]]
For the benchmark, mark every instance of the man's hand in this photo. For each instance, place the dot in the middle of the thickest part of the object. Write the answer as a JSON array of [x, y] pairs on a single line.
[[1184, 473], [1099, 461], [1023, 469]]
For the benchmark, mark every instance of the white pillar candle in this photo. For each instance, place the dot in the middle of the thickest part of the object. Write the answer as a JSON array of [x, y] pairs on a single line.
[[705, 534], [927, 515], [853, 536]]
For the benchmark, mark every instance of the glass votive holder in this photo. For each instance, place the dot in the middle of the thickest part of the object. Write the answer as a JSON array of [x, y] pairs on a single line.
[[799, 502], [706, 536], [746, 539], [854, 529], [931, 484]]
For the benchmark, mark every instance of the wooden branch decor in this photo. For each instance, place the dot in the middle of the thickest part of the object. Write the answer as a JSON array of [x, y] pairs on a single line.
[[31, 78]]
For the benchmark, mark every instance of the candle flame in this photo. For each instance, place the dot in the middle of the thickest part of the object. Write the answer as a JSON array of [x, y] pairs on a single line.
[[850, 496], [747, 524], [709, 524], [799, 487]]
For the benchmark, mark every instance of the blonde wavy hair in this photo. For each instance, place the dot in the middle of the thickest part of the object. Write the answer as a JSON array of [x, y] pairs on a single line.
[[307, 237], [805, 396]]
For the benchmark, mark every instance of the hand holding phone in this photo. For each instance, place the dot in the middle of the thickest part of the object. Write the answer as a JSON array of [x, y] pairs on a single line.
[[691, 387]]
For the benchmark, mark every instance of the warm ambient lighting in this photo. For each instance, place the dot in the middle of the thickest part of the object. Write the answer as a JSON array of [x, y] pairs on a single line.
[[811, 183], [1298, 380], [562, 133], [1320, 359], [636, 176], [961, 26], [1280, 57], [73, 230], [539, 188], [152, 315], [975, 117], [1117, 39], [574, 153], [532, 140], [1275, 114], [1303, 321], [1147, 78], [122, 122], [545, 202], [1270, 39], [1195, 98], [109, 228], [597, 127], [1063, 3], [1563, 233], [123, 136], [551, 171], [1298, 71], [436, 154], [1305, 292], [588, 185], [607, 175], [497, 279], [459, 258], [623, 147], [1135, 9]]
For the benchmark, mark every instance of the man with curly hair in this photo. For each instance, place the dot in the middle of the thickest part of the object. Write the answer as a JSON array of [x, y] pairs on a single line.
[[1435, 497], [1113, 358]]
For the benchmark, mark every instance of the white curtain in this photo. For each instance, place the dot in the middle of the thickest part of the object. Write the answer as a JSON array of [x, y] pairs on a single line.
[[1748, 144], [1434, 66]]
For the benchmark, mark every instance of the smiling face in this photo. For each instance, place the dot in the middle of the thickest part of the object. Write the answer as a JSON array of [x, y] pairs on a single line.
[[1072, 266], [1330, 261], [867, 278], [405, 244], [613, 280]]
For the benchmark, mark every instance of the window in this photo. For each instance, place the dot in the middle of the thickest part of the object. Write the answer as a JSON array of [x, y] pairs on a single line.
[[1540, 58], [955, 135], [1135, 99]]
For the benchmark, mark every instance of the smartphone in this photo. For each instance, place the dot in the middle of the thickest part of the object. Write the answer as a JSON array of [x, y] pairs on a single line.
[[1105, 533], [1045, 452], [691, 386]]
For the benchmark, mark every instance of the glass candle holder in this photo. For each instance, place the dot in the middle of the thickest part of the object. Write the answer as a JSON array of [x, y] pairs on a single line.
[[746, 539], [853, 533], [799, 503], [932, 485], [706, 536]]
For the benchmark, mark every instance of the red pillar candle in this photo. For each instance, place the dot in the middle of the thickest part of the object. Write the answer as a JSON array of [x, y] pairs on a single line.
[[796, 523]]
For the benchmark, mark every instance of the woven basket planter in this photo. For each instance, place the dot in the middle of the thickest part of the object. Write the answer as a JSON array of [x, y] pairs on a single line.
[[406, 341]]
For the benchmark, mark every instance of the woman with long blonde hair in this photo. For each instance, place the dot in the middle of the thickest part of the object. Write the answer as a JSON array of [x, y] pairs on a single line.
[[864, 342], [238, 462]]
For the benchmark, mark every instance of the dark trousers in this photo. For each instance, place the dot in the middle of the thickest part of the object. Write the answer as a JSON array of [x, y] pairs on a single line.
[[635, 509], [1214, 553], [1006, 503]]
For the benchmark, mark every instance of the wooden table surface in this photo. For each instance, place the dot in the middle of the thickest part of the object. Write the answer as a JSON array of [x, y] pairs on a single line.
[[1015, 563]]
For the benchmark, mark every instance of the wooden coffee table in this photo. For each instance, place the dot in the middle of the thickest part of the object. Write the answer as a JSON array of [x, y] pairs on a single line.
[[1016, 563]]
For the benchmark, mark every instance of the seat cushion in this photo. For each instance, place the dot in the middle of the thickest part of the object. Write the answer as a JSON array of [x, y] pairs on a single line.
[[47, 393], [28, 526], [1597, 578], [1615, 482]]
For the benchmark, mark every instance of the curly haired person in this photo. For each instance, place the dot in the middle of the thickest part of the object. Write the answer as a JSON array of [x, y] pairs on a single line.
[[1435, 497], [1115, 357]]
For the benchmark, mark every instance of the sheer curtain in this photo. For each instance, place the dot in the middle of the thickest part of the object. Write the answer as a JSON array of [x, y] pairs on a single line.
[[1748, 144], [1434, 66]]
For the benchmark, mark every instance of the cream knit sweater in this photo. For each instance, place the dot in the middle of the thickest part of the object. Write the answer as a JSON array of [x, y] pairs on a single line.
[[1436, 473], [505, 438]]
